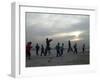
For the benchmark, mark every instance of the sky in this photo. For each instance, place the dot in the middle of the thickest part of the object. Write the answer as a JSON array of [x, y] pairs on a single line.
[[59, 27]]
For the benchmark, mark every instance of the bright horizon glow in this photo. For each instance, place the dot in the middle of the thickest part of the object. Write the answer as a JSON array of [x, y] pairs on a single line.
[[76, 39], [75, 34]]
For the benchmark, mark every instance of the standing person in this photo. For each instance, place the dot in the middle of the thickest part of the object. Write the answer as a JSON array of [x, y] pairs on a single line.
[[69, 47], [58, 49], [83, 48], [62, 49], [75, 48], [47, 50], [37, 49], [28, 49], [42, 50]]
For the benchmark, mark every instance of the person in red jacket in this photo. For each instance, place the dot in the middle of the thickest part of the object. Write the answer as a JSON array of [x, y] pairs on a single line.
[[28, 49]]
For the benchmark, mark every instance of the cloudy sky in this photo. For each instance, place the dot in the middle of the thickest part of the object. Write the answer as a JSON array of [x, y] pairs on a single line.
[[59, 27]]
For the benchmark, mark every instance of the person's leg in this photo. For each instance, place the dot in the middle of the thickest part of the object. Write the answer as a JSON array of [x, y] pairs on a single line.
[[73, 51], [57, 54], [83, 50], [62, 53], [68, 50], [41, 53], [26, 55], [45, 52], [29, 55], [38, 52], [76, 51]]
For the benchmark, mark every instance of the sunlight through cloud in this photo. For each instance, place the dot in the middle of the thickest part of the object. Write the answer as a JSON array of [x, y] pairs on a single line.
[[75, 34]]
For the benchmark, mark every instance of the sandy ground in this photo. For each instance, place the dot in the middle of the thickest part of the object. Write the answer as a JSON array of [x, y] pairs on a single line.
[[52, 60]]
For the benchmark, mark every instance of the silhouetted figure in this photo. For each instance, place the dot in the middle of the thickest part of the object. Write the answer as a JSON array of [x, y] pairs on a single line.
[[69, 47], [47, 50], [58, 49], [28, 49], [42, 50], [62, 49], [83, 48], [37, 49], [75, 48]]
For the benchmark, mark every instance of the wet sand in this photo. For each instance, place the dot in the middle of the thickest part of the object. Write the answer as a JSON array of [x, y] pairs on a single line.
[[52, 60]]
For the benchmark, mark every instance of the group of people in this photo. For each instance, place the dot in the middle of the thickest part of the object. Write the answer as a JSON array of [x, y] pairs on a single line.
[[47, 49], [44, 51], [60, 49]]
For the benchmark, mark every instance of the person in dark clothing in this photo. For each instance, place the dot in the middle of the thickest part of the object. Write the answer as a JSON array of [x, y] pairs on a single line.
[[69, 47], [37, 49], [83, 48], [28, 49], [75, 48], [42, 50], [58, 49], [62, 49], [47, 50]]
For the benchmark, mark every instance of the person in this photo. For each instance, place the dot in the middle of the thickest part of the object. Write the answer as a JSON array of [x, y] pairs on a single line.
[[62, 49], [42, 50], [28, 49], [75, 48], [69, 47], [37, 49], [83, 48], [58, 49], [47, 50]]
